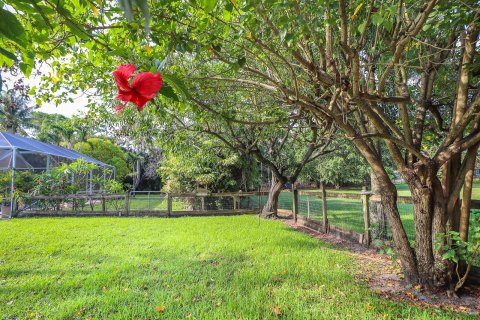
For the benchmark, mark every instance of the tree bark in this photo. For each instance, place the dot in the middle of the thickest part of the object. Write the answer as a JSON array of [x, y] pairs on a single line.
[[402, 244], [378, 219], [270, 209], [423, 220], [464, 222], [430, 216]]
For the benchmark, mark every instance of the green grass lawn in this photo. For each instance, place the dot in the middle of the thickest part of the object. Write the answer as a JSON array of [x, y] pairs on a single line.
[[201, 268]]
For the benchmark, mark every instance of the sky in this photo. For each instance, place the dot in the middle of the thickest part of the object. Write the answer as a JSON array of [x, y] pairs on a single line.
[[67, 109]]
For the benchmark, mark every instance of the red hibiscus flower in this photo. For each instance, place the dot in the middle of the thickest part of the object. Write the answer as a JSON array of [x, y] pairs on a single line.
[[144, 87]]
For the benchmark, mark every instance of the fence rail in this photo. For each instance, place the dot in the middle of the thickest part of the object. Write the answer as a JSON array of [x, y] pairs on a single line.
[[356, 215], [141, 203]]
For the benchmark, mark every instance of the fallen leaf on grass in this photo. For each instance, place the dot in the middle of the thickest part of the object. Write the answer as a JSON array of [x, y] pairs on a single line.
[[463, 309], [418, 287], [81, 311], [160, 308], [410, 295], [368, 306], [277, 311]]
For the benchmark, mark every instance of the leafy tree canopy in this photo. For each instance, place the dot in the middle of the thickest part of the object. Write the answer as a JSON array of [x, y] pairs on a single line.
[[106, 151]]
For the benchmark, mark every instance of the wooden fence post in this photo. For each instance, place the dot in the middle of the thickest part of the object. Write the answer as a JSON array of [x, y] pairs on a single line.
[[324, 208], [148, 200], [127, 203], [169, 204], [365, 195], [308, 207], [234, 202], [104, 205], [295, 202]]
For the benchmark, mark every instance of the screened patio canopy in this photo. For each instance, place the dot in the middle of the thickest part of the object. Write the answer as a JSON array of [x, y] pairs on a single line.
[[20, 153]]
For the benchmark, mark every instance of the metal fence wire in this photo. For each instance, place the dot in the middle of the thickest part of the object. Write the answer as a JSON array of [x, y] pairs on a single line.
[[71, 203], [345, 213], [147, 200], [142, 202]]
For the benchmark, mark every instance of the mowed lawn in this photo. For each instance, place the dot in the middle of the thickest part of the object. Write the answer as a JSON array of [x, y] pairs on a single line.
[[200, 268]]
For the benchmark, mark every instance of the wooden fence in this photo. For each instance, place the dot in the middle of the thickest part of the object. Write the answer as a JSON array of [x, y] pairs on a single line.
[[141, 204], [368, 200], [321, 221]]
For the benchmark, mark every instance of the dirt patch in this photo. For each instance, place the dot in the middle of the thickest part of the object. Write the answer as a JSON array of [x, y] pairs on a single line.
[[384, 277]]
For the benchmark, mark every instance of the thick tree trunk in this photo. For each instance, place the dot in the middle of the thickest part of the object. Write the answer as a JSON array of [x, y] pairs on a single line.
[[378, 219], [388, 192], [443, 269], [270, 209], [430, 218], [423, 219], [452, 169]]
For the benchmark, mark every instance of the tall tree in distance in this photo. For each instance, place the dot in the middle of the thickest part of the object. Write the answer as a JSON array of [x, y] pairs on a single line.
[[15, 108]]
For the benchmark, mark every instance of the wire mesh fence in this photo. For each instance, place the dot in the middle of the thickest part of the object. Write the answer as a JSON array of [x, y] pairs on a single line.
[[258, 200], [71, 204], [216, 202], [147, 200], [345, 213], [142, 203]]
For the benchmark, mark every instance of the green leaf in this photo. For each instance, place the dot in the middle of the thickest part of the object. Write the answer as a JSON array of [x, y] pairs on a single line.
[[361, 27], [177, 84], [11, 28], [241, 62], [377, 19], [77, 30], [283, 33], [227, 15], [8, 54], [426, 27], [143, 5], [26, 68], [168, 92], [209, 5]]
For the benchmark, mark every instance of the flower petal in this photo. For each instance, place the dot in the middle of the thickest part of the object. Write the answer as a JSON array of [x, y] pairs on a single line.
[[126, 96], [140, 100], [147, 84], [122, 75]]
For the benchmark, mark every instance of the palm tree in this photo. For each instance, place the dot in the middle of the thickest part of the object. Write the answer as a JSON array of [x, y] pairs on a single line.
[[66, 133]]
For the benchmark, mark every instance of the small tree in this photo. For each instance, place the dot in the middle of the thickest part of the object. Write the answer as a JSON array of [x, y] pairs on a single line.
[[343, 166]]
